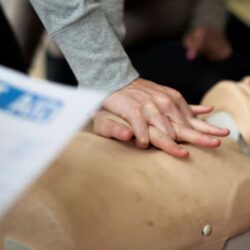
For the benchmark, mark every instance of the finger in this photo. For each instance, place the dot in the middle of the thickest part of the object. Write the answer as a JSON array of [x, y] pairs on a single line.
[[168, 107], [206, 128], [189, 41], [140, 128], [219, 51], [193, 44], [194, 137], [112, 129], [153, 116], [163, 124], [165, 143], [161, 94], [201, 109], [225, 52], [130, 111], [213, 56], [191, 54]]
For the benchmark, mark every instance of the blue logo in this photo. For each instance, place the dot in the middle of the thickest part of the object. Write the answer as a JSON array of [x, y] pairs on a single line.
[[27, 105]]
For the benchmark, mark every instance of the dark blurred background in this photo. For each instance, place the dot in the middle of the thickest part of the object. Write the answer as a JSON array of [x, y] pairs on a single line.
[[187, 44]]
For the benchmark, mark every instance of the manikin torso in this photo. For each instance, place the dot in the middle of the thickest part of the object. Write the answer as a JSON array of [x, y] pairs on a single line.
[[103, 194]]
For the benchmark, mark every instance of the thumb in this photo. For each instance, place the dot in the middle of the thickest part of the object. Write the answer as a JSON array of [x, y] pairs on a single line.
[[110, 126]]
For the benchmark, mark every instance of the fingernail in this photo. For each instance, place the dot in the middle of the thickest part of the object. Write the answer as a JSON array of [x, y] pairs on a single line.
[[184, 151], [214, 140], [225, 131], [126, 134], [142, 143]]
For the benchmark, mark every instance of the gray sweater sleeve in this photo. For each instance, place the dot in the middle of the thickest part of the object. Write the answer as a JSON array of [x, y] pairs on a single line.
[[88, 42], [210, 13]]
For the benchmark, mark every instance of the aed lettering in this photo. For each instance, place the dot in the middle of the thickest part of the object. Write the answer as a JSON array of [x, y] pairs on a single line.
[[28, 105], [34, 108]]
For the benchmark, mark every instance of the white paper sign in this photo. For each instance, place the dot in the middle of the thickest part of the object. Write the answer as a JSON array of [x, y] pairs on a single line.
[[37, 119]]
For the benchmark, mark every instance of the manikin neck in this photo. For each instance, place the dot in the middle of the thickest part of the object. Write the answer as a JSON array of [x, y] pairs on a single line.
[[225, 120]]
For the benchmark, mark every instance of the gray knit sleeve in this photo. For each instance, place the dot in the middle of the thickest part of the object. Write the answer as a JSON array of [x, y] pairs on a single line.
[[210, 13], [88, 42]]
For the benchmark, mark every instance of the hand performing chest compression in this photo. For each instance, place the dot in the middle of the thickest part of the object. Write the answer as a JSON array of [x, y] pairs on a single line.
[[158, 115]]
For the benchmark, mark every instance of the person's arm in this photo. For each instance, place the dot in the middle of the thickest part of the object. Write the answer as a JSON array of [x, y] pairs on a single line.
[[210, 13], [88, 42], [206, 34]]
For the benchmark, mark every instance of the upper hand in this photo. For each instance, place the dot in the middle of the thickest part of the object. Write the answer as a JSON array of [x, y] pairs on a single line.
[[144, 105], [208, 42]]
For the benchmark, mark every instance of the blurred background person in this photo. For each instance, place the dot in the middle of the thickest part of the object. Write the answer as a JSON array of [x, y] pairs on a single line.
[[188, 44]]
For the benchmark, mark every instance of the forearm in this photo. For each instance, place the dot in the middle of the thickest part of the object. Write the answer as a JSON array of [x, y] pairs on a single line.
[[209, 13], [88, 43]]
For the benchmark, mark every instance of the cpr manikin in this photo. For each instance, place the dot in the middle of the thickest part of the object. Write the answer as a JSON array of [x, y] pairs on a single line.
[[102, 194]]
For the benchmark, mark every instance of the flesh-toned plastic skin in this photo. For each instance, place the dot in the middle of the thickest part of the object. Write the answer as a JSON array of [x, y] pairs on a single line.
[[234, 98], [102, 194]]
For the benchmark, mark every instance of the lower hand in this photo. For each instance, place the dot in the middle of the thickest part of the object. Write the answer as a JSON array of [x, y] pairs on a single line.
[[111, 126]]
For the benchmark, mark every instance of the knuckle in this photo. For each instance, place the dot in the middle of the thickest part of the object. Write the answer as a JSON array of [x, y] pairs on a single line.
[[165, 100], [143, 97], [200, 141], [126, 116], [169, 104], [177, 95], [149, 105], [178, 132], [173, 134]]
